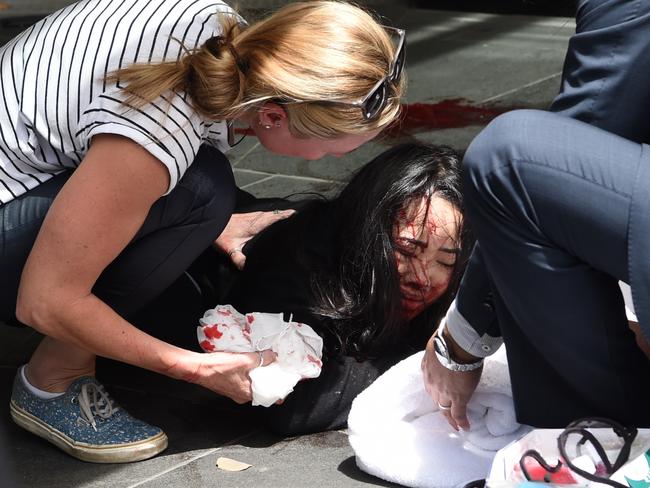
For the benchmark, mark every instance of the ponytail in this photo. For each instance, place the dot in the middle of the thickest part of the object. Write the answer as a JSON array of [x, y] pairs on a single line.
[[211, 75], [309, 51]]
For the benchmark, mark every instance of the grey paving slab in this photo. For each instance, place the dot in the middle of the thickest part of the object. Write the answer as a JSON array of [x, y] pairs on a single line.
[[290, 186], [324, 459], [329, 167], [245, 179], [195, 421], [537, 95], [477, 56]]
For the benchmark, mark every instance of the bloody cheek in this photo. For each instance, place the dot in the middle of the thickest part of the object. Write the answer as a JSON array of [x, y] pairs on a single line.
[[412, 308]]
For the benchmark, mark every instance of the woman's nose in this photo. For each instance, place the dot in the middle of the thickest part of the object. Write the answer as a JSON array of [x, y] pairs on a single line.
[[420, 274]]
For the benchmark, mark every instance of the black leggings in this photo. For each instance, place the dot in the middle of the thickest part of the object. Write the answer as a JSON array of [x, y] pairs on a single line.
[[177, 229]]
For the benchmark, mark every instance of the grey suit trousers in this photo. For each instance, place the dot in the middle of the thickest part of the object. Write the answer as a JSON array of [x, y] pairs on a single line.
[[560, 203]]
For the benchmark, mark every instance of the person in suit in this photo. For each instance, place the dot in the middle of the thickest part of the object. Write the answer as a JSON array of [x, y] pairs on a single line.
[[560, 204]]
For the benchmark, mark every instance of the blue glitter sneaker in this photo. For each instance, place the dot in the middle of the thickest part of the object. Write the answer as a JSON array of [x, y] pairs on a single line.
[[86, 423]]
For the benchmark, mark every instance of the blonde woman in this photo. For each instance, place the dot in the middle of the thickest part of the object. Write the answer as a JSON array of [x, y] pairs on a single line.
[[113, 121]]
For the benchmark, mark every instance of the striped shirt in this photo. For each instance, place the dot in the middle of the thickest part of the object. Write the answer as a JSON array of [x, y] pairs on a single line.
[[55, 97]]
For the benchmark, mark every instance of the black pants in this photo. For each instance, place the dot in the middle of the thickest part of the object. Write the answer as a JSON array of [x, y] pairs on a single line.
[[177, 229]]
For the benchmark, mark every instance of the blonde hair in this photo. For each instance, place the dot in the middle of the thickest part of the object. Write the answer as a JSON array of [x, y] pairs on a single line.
[[307, 51]]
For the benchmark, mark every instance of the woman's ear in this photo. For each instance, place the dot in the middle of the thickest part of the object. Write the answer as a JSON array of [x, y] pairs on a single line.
[[271, 115]]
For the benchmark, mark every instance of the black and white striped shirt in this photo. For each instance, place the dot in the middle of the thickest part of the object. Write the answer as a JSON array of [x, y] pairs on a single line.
[[55, 97]]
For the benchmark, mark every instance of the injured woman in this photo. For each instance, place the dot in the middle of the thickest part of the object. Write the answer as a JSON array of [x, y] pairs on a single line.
[[371, 271]]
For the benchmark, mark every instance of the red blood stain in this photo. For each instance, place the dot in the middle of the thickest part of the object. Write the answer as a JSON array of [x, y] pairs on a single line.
[[447, 114], [226, 313], [250, 319], [244, 131], [212, 332], [452, 113], [207, 346]]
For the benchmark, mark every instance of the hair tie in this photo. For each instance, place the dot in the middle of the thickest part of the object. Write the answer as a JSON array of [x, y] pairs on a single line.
[[241, 65], [214, 45]]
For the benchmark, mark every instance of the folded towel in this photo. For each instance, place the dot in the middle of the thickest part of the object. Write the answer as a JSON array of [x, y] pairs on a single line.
[[398, 433], [299, 349]]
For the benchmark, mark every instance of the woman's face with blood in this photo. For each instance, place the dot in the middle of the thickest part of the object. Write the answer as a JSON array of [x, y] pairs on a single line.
[[426, 247]]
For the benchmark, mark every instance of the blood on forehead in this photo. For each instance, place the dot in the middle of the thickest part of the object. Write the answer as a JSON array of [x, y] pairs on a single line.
[[414, 218]]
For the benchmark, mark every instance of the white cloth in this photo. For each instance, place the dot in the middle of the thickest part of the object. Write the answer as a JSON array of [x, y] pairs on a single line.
[[299, 349], [399, 435]]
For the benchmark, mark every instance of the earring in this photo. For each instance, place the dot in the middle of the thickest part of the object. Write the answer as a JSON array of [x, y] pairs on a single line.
[[266, 126]]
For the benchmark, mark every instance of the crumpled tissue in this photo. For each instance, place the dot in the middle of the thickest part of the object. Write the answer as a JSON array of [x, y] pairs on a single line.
[[299, 349]]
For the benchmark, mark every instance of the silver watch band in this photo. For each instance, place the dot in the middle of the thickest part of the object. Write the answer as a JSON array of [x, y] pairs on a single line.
[[442, 353]]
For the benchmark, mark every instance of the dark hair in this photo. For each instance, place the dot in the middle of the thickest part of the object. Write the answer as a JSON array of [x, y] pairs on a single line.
[[362, 296]]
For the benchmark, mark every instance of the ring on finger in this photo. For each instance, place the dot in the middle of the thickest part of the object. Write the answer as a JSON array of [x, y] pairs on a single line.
[[444, 407]]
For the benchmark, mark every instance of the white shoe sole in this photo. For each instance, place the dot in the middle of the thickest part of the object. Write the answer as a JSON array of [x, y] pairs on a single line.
[[116, 453]]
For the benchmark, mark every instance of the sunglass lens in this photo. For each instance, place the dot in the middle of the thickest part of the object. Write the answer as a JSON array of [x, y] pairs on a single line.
[[375, 102]]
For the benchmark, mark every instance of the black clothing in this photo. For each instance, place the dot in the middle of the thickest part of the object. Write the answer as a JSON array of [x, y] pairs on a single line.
[[178, 227], [281, 265]]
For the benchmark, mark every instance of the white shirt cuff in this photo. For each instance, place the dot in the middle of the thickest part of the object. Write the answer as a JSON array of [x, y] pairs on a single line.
[[466, 337]]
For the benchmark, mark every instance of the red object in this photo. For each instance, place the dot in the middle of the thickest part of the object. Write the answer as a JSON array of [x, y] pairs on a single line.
[[212, 332], [425, 117], [563, 476]]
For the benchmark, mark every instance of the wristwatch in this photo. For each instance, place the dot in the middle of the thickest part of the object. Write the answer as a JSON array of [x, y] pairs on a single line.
[[444, 357]]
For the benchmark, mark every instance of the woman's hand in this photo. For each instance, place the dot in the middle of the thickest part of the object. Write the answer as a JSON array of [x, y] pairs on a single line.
[[242, 228], [449, 388], [227, 373]]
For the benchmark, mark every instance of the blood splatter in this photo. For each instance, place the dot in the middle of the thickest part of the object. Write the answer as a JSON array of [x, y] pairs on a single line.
[[212, 332], [250, 319], [207, 346], [431, 225], [446, 114], [451, 113]]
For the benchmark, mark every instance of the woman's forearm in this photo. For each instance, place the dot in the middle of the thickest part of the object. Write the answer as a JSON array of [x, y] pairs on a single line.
[[90, 324]]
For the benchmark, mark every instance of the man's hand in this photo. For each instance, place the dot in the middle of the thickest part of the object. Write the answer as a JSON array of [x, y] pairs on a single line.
[[449, 388], [242, 228]]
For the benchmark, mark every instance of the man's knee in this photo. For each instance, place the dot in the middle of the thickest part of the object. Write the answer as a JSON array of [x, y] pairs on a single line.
[[500, 144]]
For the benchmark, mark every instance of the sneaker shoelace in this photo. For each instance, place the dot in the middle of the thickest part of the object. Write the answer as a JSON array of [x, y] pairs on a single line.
[[94, 400]]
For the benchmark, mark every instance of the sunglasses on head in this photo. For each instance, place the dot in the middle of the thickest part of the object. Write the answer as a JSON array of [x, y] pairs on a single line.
[[374, 102]]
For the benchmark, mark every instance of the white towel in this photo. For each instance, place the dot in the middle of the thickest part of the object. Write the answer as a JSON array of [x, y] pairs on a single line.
[[399, 435], [299, 349]]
